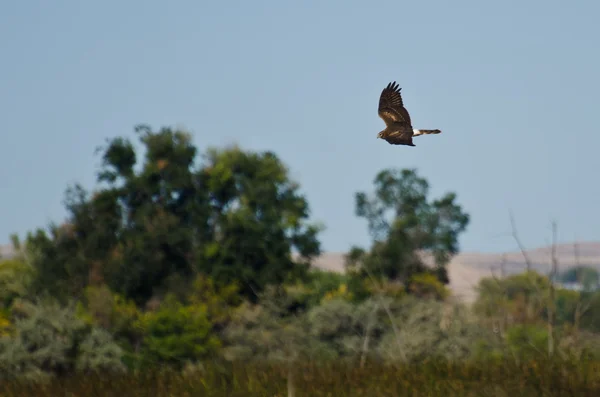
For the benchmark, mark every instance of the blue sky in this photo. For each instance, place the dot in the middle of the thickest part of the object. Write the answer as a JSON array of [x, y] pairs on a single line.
[[513, 85]]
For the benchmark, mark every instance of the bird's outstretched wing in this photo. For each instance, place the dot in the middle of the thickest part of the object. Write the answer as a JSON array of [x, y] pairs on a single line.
[[391, 108], [403, 137]]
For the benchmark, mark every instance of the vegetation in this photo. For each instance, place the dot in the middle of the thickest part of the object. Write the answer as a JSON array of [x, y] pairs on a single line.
[[186, 273], [587, 277], [377, 380]]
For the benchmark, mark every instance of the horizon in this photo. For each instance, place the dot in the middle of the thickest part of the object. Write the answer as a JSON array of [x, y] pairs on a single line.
[[515, 251]]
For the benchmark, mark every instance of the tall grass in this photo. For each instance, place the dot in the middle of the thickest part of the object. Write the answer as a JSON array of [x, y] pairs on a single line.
[[437, 378]]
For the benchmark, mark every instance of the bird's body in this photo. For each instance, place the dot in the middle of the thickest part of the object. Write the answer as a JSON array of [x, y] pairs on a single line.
[[398, 130]]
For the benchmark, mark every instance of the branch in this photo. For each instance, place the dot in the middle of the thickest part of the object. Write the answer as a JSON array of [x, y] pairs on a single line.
[[551, 299], [518, 240], [389, 313], [554, 269], [581, 309], [365, 346]]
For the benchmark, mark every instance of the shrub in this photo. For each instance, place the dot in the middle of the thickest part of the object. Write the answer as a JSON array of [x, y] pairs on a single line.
[[49, 339], [177, 333]]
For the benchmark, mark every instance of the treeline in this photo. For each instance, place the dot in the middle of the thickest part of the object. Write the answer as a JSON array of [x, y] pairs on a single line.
[[180, 257]]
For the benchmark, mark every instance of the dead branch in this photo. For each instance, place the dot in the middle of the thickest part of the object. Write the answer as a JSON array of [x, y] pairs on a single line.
[[515, 236], [367, 338], [527, 261], [551, 299], [580, 308], [389, 313]]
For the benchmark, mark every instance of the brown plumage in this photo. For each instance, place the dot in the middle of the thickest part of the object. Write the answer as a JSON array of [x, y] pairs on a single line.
[[398, 130]]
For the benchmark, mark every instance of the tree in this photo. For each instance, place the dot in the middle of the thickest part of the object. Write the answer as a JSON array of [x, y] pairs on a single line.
[[236, 218], [588, 277], [406, 227], [177, 333], [15, 280], [258, 219], [519, 299]]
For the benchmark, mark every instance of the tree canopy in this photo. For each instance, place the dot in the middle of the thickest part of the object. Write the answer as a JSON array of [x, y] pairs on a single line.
[[236, 217], [407, 227]]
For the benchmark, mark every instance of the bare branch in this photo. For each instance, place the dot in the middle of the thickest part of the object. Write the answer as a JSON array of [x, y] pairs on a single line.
[[554, 269], [551, 299], [389, 313], [365, 346], [518, 240], [580, 309]]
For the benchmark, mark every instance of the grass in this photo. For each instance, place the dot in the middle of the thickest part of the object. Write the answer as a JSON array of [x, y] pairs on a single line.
[[429, 379]]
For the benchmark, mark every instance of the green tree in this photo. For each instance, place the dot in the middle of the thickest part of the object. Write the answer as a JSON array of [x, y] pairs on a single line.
[[258, 219], [517, 299], [177, 334], [237, 218], [590, 318], [102, 308], [407, 228], [587, 276], [527, 341], [15, 280]]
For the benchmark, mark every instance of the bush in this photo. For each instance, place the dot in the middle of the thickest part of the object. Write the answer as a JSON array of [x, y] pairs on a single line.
[[48, 339], [177, 333], [431, 329], [428, 286], [15, 279]]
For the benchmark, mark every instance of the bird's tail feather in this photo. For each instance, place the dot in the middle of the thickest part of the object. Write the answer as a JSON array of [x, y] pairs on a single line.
[[425, 132]]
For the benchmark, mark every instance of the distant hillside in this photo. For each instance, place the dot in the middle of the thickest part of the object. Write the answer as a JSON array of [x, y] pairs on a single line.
[[6, 251], [466, 269]]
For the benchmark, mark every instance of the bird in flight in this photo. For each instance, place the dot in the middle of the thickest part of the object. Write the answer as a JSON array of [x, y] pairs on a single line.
[[398, 128]]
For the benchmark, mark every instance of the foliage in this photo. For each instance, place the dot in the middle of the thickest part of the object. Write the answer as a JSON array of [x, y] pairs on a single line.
[[219, 300], [98, 351], [590, 319], [341, 292], [406, 227], [434, 378], [177, 333], [430, 329], [103, 308], [528, 341], [49, 339], [15, 280], [517, 299], [523, 299], [379, 328], [427, 285], [579, 346], [200, 262], [258, 217], [323, 285], [272, 331], [587, 276], [5, 324], [236, 218]]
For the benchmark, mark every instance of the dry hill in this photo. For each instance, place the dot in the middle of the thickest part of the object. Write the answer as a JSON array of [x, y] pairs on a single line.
[[466, 269]]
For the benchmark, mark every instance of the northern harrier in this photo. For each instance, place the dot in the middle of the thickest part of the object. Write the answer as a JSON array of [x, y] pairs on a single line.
[[398, 129]]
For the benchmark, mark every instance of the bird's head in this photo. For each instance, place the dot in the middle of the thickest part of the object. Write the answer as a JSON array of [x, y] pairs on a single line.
[[380, 135]]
